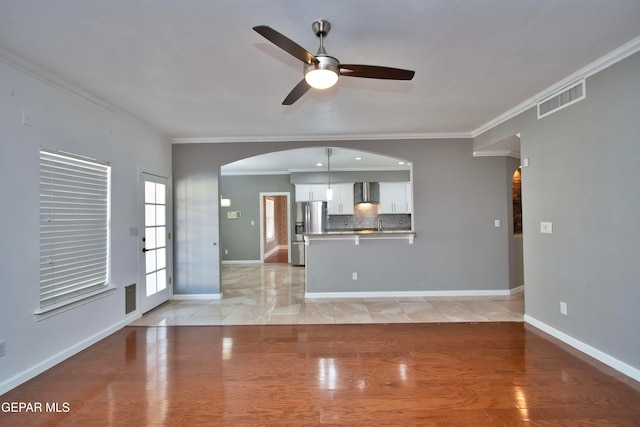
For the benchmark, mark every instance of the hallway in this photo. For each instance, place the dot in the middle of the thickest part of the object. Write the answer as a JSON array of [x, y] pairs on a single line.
[[278, 257], [274, 294]]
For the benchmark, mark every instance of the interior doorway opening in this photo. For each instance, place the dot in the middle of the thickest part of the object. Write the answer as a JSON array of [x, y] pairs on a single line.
[[275, 228]]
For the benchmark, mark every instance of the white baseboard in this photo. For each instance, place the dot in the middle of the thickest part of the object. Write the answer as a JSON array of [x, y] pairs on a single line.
[[242, 261], [516, 290], [197, 296], [39, 368], [603, 357], [404, 294]]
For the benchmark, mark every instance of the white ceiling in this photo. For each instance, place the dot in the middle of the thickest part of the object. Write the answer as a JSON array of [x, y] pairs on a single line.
[[196, 69], [313, 159]]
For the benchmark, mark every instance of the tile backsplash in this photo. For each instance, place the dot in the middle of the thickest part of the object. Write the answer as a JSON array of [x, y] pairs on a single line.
[[366, 216]]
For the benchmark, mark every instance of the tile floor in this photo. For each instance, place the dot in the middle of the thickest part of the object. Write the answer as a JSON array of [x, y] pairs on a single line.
[[274, 294]]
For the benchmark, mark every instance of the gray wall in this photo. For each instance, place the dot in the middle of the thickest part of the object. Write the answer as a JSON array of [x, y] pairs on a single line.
[[583, 177], [64, 121], [382, 266], [238, 236], [516, 261], [195, 222], [456, 199]]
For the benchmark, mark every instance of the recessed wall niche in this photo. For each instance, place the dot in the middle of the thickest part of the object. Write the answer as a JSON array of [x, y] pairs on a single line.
[[516, 197]]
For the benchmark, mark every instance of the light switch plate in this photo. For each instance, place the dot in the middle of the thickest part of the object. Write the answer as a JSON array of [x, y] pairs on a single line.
[[496, 223], [26, 118], [546, 227]]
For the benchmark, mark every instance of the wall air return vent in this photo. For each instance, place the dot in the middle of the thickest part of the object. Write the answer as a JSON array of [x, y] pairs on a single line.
[[563, 98]]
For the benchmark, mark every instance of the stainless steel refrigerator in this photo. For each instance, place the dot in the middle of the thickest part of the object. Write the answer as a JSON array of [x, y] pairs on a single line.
[[311, 218]]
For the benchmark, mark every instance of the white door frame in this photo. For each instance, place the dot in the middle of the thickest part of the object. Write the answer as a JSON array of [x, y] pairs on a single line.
[[262, 225], [141, 287]]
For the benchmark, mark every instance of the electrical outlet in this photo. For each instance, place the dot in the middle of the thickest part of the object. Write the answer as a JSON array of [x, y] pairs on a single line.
[[354, 275], [3, 348], [226, 251], [563, 308]]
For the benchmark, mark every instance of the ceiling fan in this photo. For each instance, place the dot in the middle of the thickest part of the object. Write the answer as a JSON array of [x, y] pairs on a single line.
[[321, 71]]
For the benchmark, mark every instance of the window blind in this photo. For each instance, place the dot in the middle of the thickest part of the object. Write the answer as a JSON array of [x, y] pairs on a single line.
[[74, 225]]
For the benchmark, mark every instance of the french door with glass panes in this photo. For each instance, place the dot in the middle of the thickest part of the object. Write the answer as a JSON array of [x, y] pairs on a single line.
[[156, 243]]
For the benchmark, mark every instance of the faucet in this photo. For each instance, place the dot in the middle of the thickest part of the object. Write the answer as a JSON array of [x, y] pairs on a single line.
[[379, 224]]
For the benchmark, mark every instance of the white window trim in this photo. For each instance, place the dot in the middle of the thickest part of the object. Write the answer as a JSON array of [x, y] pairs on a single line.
[[66, 305]]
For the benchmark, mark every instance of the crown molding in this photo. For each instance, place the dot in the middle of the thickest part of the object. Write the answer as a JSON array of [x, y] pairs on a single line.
[[598, 65], [491, 153], [323, 137], [32, 70], [495, 153]]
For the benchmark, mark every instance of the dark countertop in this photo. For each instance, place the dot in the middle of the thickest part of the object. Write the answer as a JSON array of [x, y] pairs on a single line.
[[362, 233]]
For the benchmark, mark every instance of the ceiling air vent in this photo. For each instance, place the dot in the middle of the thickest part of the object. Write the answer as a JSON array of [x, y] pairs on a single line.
[[565, 97]]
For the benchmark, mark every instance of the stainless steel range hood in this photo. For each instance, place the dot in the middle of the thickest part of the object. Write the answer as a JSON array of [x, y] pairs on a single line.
[[366, 192]]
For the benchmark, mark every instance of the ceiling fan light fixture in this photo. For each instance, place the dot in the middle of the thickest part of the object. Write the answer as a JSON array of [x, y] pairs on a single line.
[[321, 79], [322, 75], [322, 71]]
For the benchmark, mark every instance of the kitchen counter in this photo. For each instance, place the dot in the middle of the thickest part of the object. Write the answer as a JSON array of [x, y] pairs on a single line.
[[356, 235], [358, 263]]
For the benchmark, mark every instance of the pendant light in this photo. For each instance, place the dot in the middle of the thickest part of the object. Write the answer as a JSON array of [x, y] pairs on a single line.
[[329, 190], [322, 73]]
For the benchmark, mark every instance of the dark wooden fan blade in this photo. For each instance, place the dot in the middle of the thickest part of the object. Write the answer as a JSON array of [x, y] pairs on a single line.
[[286, 44], [375, 72], [300, 89]]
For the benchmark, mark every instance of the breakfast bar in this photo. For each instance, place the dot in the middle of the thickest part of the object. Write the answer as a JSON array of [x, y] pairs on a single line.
[[357, 263], [355, 236]]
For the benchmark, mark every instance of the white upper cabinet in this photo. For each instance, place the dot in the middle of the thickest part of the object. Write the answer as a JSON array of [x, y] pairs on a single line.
[[311, 192], [342, 201], [395, 197]]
